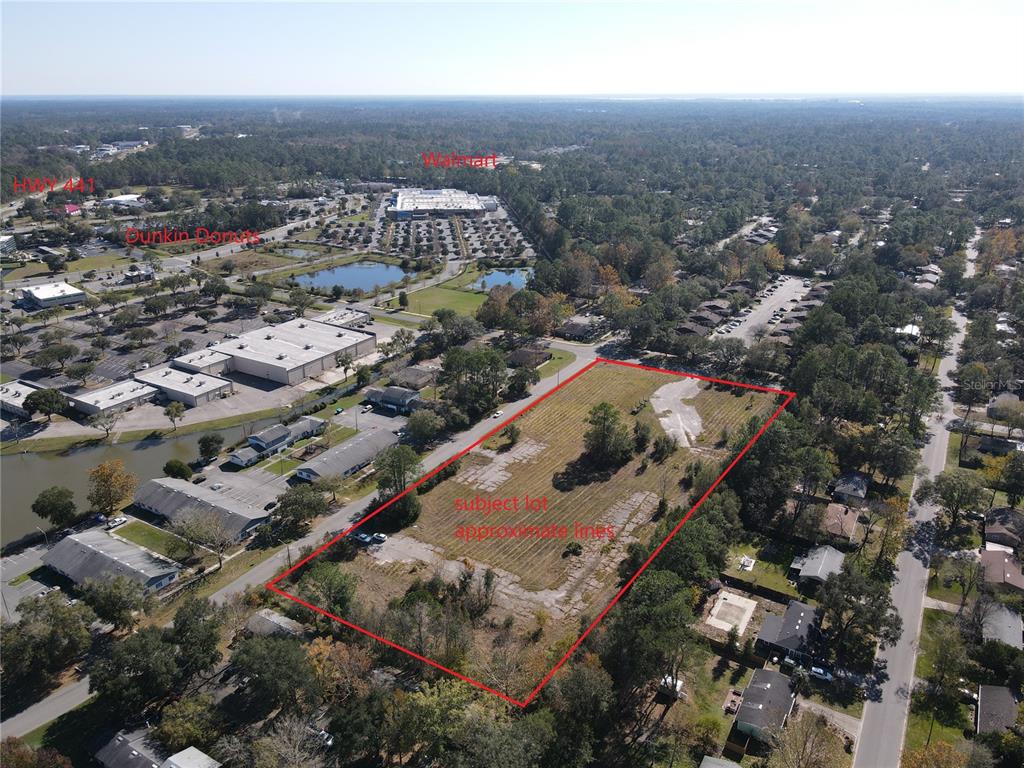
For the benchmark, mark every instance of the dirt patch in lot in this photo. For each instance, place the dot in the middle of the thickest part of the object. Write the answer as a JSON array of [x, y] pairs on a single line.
[[678, 419]]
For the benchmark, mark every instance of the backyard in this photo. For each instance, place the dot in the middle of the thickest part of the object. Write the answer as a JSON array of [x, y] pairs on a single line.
[[771, 566]]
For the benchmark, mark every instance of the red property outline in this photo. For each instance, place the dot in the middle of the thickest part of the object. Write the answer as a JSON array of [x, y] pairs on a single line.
[[272, 584]]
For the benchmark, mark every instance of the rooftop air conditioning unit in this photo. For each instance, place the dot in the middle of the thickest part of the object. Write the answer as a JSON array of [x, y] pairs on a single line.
[[281, 356], [269, 336], [307, 346]]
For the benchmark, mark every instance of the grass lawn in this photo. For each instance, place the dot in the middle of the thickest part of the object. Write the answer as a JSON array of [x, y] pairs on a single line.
[[71, 733], [934, 620], [309, 234], [938, 591], [426, 301], [283, 466], [770, 569], [949, 726], [104, 261], [349, 401], [707, 688], [392, 320], [560, 358], [4, 378], [151, 537], [32, 269], [248, 261], [953, 450]]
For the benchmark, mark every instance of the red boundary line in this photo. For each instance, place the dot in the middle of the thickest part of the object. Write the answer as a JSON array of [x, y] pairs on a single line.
[[272, 584]]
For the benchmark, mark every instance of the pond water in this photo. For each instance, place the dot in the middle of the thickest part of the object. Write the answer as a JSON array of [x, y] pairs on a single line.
[[300, 253], [26, 474], [364, 275], [517, 278]]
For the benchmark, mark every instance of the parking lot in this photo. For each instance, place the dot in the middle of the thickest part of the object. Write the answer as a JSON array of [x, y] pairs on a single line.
[[776, 298]]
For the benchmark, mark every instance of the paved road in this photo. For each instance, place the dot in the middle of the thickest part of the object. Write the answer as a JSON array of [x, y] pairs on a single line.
[[885, 721], [56, 704]]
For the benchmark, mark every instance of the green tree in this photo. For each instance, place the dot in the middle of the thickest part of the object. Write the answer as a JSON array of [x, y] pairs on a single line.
[[291, 675], [856, 614], [607, 440], [174, 411], [297, 506], [135, 672], [808, 741], [300, 300], [520, 381], [109, 485], [326, 586], [956, 491], [45, 401], [424, 425], [195, 632], [105, 421], [363, 374], [115, 600], [48, 636], [403, 299], [178, 469], [210, 445], [56, 504], [15, 753], [189, 722]]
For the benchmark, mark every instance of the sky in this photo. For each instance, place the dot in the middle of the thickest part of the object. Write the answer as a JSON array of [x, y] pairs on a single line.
[[712, 47]]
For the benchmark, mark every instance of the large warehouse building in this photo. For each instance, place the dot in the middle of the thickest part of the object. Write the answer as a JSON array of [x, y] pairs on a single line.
[[287, 353], [421, 203], [177, 499], [186, 387], [52, 295], [95, 554]]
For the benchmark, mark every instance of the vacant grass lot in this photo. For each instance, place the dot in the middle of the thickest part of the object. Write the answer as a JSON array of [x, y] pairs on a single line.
[[559, 359], [249, 261], [556, 428], [770, 569], [426, 301]]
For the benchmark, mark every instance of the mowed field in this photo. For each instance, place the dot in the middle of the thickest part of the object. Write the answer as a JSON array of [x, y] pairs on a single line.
[[540, 465]]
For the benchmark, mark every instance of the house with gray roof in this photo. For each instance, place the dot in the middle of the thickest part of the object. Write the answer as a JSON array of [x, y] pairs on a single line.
[[348, 457], [789, 634], [139, 749], [95, 554], [767, 703], [851, 488], [996, 711], [1004, 625], [266, 622], [818, 564], [176, 499]]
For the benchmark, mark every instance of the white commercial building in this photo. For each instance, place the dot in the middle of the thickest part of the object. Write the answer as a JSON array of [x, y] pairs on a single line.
[[117, 397], [52, 294], [128, 201], [287, 353], [12, 397], [420, 203], [344, 318], [186, 386]]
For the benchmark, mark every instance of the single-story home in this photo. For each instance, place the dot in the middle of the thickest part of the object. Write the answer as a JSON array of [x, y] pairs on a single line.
[[276, 438], [818, 564], [789, 634], [1005, 525], [997, 709], [139, 749], [580, 328], [1002, 570], [851, 488], [767, 704], [267, 621], [1004, 625], [528, 357], [175, 499], [840, 522], [415, 377]]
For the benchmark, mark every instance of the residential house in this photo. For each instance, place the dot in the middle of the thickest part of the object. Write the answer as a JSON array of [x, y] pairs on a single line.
[[580, 328], [528, 357], [997, 709], [395, 399], [1002, 405], [1004, 625], [1005, 525], [767, 703], [851, 488], [266, 622], [788, 635], [691, 329], [415, 377], [139, 749], [275, 439], [1002, 570], [707, 319], [818, 564], [841, 523]]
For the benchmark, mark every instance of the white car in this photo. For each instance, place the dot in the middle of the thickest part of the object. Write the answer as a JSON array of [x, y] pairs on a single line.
[[115, 522], [822, 674], [367, 408], [498, 414]]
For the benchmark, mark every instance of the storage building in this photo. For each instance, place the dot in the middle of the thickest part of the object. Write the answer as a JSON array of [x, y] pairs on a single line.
[[96, 554]]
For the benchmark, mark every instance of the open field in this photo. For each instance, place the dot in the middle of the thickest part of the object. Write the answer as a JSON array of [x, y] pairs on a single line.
[[249, 261], [426, 301], [560, 358], [31, 269]]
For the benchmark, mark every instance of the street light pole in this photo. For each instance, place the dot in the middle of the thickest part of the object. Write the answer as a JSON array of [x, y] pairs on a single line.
[[45, 537]]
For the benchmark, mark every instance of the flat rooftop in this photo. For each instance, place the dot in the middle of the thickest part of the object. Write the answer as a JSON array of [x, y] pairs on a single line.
[[202, 358], [342, 317], [291, 344], [182, 381], [436, 200], [48, 291], [105, 397], [14, 392]]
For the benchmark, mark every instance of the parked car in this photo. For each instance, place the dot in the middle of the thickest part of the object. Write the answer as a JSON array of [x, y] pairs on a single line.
[[116, 522], [822, 674], [367, 408], [379, 538], [498, 414]]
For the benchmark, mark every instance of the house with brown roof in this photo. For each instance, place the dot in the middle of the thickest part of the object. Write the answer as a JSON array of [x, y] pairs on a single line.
[[840, 522], [1005, 525], [1002, 570]]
